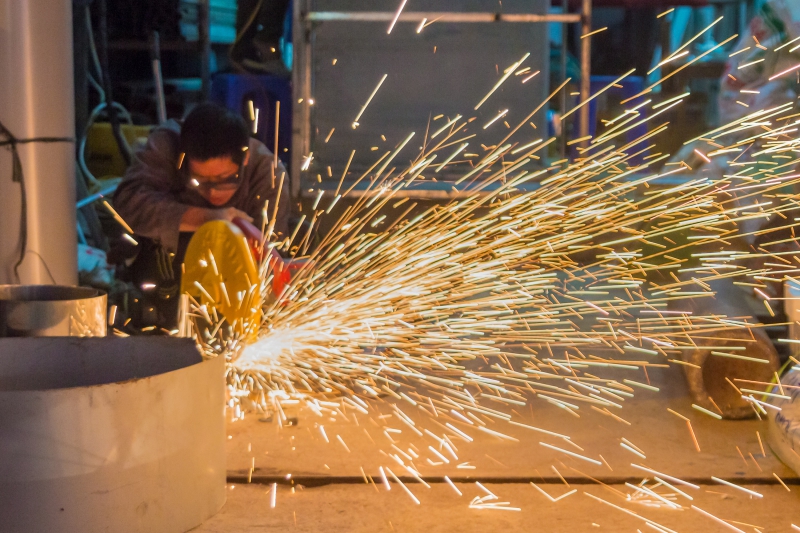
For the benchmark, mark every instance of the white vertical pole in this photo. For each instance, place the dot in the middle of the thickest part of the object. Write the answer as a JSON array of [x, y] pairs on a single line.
[[586, 65], [301, 91], [36, 100]]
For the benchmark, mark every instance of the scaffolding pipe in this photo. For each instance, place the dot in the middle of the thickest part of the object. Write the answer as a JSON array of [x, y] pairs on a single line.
[[563, 77], [158, 79], [586, 64], [416, 16], [301, 92]]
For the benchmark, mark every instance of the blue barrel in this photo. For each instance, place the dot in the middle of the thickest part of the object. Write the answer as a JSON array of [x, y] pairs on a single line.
[[235, 91]]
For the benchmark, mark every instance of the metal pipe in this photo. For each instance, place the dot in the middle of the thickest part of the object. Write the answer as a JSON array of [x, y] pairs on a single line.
[[80, 48], [301, 91], [744, 353], [427, 190], [563, 77], [416, 16], [155, 60], [586, 64], [36, 100], [110, 434]]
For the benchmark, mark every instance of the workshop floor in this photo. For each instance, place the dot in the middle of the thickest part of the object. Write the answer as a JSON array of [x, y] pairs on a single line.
[[356, 508], [321, 484]]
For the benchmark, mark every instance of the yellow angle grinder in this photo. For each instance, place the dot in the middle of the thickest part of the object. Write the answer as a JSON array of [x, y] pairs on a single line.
[[221, 270]]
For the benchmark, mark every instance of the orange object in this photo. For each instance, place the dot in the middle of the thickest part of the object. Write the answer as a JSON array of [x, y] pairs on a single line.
[[281, 268]]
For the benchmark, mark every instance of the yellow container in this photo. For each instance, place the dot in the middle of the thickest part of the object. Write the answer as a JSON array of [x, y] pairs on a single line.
[[102, 153]]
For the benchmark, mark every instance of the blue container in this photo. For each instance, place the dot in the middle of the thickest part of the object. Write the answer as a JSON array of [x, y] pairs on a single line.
[[235, 91], [630, 86]]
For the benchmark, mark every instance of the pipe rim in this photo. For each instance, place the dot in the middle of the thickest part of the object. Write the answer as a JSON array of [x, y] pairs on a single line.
[[47, 293]]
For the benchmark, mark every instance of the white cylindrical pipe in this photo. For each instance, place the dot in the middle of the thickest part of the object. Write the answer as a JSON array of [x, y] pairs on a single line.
[[36, 100], [97, 435]]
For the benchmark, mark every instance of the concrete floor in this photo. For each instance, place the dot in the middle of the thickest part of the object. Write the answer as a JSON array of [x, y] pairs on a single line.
[[355, 508], [663, 437], [321, 484]]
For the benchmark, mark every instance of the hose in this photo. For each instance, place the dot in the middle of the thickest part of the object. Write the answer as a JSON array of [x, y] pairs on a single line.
[[124, 149], [92, 45], [241, 33], [82, 143]]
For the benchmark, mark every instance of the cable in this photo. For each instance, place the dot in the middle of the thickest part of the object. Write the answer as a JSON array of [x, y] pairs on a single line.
[[92, 45], [241, 33], [112, 112], [18, 176], [44, 264], [83, 140], [97, 87]]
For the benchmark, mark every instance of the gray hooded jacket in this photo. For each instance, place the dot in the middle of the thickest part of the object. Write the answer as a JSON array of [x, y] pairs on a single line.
[[153, 195]]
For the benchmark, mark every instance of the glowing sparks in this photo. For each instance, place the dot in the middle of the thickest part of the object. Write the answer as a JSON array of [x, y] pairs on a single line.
[[508, 72], [396, 17], [535, 278], [595, 32], [745, 490], [496, 118], [371, 96], [573, 454]]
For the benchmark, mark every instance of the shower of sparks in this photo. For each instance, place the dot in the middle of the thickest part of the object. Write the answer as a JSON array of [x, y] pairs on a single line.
[[527, 279], [525, 289]]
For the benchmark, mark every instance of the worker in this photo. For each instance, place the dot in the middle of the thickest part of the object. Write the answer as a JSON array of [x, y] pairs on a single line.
[[760, 75], [752, 79], [208, 168]]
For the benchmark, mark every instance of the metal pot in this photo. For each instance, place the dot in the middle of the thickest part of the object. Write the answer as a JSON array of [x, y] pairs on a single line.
[[52, 311]]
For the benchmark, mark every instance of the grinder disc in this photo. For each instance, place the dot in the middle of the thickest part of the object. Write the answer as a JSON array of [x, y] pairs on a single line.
[[220, 272]]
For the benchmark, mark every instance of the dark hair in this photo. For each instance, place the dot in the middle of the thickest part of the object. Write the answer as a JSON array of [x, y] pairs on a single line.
[[211, 130]]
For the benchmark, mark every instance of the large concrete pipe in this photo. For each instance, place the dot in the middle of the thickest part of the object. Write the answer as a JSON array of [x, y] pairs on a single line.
[[36, 101], [710, 376], [51, 311], [109, 434]]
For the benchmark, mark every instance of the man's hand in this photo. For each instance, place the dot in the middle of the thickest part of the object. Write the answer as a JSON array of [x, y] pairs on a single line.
[[194, 217], [228, 213]]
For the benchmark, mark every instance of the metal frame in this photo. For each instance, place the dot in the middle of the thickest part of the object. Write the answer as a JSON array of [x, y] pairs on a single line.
[[303, 33]]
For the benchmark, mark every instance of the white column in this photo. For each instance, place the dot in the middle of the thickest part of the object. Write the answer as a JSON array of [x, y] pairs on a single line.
[[36, 100]]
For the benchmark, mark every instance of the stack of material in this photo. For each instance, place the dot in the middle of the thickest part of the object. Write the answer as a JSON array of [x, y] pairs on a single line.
[[784, 419]]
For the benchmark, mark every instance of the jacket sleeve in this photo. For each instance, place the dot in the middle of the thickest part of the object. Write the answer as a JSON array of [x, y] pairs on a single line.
[[147, 197], [263, 191]]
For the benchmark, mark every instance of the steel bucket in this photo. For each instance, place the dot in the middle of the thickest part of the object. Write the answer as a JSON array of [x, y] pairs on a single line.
[[52, 311]]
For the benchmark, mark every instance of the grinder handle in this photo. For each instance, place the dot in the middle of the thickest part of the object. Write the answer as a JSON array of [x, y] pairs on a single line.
[[281, 276], [253, 236]]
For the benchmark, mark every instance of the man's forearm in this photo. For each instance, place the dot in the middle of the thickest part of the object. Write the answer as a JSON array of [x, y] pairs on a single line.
[[193, 218]]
